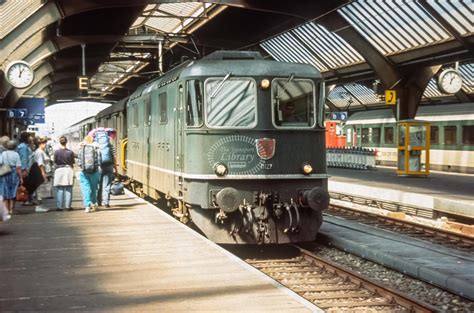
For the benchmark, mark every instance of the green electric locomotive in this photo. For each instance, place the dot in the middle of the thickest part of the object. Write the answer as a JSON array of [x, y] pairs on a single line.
[[234, 143]]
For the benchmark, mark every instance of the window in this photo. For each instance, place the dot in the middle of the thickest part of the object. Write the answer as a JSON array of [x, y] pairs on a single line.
[[365, 135], [162, 97], [147, 108], [194, 103], [388, 135], [349, 135], [293, 102], [375, 135], [231, 102], [449, 135], [135, 114], [468, 135], [434, 135]]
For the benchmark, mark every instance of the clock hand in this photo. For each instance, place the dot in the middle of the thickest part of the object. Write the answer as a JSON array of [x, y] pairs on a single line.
[[21, 72]]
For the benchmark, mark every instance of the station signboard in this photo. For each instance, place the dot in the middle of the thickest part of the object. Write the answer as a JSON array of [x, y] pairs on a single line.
[[390, 96], [17, 113], [338, 116]]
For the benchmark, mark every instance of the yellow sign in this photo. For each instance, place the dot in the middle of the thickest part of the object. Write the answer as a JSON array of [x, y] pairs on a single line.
[[390, 96], [83, 82]]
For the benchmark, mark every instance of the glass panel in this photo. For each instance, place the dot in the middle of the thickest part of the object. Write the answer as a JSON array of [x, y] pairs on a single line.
[[401, 135], [401, 160], [293, 101], [449, 135], [147, 108], [135, 115], [194, 102], [231, 102], [415, 161], [434, 135], [388, 135], [468, 135], [163, 108], [375, 135], [417, 136], [365, 135]]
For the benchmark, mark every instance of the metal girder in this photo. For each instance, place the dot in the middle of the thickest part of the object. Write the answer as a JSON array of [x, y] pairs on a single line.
[[412, 90], [304, 10]]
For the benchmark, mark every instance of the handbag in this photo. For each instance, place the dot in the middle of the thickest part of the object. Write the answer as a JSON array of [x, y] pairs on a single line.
[[21, 194], [5, 169]]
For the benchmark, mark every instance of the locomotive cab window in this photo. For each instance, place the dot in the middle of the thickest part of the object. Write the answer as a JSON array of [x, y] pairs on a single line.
[[194, 103], [293, 103], [231, 102]]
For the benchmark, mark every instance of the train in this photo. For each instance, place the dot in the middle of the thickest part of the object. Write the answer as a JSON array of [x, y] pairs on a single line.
[[233, 143], [451, 135]]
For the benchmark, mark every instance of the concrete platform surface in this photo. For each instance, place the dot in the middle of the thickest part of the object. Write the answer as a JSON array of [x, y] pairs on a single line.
[[128, 258], [443, 192]]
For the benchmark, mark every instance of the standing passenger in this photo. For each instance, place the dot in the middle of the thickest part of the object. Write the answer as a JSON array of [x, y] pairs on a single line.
[[38, 172], [89, 157], [13, 180], [63, 176], [26, 157], [108, 168]]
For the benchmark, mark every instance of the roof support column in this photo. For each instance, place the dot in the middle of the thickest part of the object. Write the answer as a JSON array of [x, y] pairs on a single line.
[[411, 91]]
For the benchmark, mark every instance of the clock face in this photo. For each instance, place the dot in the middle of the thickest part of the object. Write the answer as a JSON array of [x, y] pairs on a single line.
[[450, 81], [19, 74]]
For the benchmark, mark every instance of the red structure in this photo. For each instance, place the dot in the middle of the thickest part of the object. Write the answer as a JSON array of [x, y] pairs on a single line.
[[334, 140]]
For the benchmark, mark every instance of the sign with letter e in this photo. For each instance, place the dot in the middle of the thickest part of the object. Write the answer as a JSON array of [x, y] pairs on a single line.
[[390, 96]]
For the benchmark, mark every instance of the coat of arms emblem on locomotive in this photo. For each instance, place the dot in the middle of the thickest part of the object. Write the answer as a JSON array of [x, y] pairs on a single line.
[[265, 148]]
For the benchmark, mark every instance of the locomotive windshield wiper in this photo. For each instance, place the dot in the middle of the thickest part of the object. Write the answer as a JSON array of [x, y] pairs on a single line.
[[214, 94], [290, 78]]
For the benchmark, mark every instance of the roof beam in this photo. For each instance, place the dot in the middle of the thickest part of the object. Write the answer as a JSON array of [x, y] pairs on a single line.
[[382, 66]]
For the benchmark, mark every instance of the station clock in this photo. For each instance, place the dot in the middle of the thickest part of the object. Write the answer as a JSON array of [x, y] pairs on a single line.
[[449, 81], [19, 74]]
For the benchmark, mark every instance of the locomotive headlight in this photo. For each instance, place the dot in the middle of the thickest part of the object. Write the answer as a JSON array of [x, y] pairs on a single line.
[[264, 84], [220, 169], [307, 168]]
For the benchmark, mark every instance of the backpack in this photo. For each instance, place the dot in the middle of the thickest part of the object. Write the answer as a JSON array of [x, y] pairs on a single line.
[[107, 156], [89, 159], [117, 189]]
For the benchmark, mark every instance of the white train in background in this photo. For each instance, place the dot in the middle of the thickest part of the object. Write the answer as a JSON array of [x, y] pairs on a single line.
[[451, 142]]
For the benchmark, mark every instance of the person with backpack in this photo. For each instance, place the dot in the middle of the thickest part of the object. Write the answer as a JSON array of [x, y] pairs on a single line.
[[89, 160], [107, 166]]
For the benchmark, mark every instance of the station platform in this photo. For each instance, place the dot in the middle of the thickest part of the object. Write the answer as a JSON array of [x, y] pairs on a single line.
[[443, 193], [131, 257]]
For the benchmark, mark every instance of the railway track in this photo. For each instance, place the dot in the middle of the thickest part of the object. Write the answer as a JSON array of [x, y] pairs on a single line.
[[436, 235], [334, 288]]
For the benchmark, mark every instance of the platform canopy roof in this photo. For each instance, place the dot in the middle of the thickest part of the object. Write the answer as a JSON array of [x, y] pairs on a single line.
[[360, 46]]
